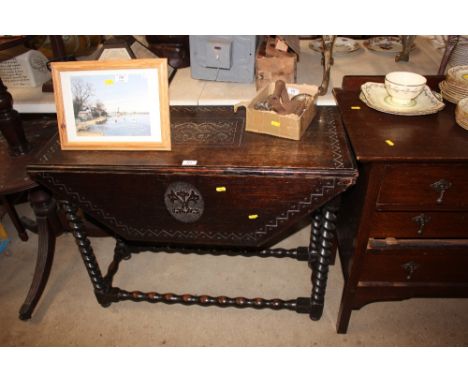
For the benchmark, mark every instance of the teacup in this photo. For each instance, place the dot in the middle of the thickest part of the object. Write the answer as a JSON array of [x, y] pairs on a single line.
[[404, 87]]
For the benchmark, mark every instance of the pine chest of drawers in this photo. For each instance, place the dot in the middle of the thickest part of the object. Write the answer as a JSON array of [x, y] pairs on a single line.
[[403, 230]]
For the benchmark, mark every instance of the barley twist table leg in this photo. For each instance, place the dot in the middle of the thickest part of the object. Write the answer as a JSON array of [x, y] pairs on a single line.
[[315, 234], [101, 288], [321, 265]]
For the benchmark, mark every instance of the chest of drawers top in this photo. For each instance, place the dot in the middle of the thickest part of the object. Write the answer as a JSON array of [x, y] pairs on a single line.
[[434, 137]]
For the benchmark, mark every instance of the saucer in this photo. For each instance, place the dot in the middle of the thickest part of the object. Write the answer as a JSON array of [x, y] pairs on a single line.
[[342, 45], [389, 100], [375, 96]]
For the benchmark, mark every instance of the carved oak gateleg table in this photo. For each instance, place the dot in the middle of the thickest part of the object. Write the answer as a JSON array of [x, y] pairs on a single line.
[[242, 193]]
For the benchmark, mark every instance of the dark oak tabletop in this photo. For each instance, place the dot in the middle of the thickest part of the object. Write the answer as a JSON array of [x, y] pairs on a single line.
[[214, 136], [430, 137]]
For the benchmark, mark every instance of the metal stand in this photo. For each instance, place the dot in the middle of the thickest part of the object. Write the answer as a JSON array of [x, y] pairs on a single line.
[[327, 61]]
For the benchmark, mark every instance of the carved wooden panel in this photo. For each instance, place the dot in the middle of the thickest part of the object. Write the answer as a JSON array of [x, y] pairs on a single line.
[[224, 210]]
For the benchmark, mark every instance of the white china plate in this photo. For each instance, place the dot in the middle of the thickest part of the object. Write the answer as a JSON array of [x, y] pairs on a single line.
[[453, 90], [460, 75], [342, 45], [462, 123], [448, 97], [450, 93], [385, 44], [375, 96], [455, 87]]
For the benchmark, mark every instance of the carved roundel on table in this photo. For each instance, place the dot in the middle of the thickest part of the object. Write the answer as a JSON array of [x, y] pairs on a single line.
[[184, 202]]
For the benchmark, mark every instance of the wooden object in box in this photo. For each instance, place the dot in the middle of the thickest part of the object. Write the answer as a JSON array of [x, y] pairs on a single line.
[[272, 64], [403, 229], [244, 193], [289, 126]]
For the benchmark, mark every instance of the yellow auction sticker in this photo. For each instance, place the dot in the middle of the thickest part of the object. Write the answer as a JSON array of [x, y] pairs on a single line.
[[275, 123], [220, 189], [253, 217], [389, 142], [109, 82]]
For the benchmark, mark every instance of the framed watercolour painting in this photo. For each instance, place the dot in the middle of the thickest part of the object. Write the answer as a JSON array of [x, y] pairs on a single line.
[[112, 105]]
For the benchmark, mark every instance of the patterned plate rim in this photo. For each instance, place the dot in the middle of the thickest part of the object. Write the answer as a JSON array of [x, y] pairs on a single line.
[[409, 113]]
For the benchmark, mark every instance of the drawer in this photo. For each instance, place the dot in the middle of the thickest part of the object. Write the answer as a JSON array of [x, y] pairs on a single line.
[[424, 187], [419, 224], [416, 265]]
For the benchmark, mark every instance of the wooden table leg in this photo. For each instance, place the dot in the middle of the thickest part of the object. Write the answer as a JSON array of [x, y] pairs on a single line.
[[344, 314], [77, 227], [315, 234], [327, 216], [11, 211], [44, 207]]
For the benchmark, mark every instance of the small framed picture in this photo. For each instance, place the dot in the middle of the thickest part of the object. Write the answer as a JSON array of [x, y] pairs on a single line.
[[112, 105]]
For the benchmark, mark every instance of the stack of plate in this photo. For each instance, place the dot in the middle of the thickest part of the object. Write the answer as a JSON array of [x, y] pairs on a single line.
[[461, 113], [455, 86]]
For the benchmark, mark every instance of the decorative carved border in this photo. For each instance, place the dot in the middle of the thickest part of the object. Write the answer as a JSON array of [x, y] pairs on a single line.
[[201, 109], [210, 133], [307, 204], [51, 149], [333, 139]]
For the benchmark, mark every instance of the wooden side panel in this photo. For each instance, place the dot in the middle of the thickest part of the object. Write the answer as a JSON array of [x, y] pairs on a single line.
[[203, 210]]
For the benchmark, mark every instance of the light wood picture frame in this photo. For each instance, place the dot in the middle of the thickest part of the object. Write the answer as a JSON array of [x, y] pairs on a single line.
[[112, 105]]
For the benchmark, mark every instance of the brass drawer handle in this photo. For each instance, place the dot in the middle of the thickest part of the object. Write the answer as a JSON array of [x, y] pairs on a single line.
[[441, 186], [421, 220], [410, 268]]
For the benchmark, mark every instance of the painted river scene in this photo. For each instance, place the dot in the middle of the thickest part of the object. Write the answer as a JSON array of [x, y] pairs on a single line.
[[111, 105]]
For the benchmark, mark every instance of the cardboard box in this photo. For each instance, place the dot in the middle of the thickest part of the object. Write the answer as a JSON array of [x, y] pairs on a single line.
[[289, 126]]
